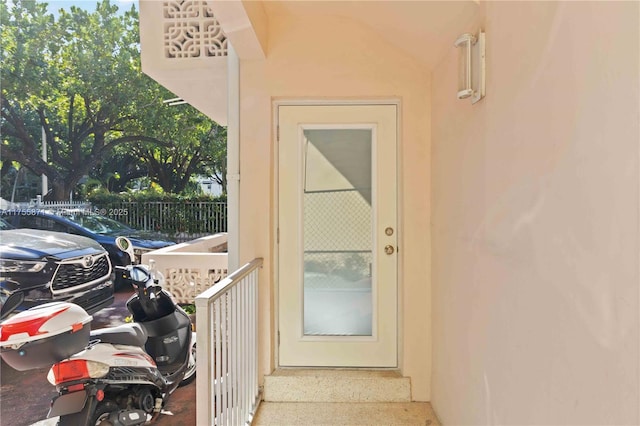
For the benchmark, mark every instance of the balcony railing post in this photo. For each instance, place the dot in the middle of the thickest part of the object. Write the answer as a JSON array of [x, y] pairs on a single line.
[[217, 400]]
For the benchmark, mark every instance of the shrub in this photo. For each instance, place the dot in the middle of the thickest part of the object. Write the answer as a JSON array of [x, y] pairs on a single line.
[[100, 198], [178, 216]]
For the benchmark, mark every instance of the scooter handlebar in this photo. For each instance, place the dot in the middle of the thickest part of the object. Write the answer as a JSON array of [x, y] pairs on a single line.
[[136, 275]]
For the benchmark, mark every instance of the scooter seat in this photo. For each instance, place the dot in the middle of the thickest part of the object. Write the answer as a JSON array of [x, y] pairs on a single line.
[[127, 334]]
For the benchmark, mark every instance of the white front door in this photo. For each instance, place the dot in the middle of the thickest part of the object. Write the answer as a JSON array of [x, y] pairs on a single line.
[[337, 232]]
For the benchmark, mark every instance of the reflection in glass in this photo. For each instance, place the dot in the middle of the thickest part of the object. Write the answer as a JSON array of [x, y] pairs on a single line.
[[337, 232]]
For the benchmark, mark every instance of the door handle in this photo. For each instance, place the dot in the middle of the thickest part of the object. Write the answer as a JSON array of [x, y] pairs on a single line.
[[389, 249]]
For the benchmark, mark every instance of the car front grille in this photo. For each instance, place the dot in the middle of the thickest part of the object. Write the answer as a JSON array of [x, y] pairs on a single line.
[[80, 271]]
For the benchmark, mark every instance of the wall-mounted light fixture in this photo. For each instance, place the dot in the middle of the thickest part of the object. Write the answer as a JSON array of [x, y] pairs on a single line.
[[471, 66]]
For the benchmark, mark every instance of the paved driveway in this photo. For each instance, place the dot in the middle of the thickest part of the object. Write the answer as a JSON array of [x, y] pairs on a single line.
[[25, 395]]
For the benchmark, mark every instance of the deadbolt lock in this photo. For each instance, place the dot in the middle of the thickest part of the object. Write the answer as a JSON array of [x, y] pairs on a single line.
[[389, 231]]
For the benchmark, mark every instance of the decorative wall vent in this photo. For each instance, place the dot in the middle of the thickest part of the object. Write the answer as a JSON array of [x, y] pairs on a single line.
[[191, 30], [186, 283]]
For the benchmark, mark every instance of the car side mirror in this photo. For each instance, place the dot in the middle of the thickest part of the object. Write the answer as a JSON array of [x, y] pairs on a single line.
[[126, 246], [11, 303]]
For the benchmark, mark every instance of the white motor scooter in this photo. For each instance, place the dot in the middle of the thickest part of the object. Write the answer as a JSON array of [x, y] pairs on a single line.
[[119, 376]]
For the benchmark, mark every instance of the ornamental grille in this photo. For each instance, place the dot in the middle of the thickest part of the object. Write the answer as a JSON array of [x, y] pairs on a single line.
[[75, 274], [191, 30], [185, 284]]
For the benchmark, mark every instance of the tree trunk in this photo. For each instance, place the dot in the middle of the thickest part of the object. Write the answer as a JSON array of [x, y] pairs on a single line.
[[59, 191]]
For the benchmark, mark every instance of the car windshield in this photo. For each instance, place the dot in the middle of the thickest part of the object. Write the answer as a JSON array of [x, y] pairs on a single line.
[[96, 223]]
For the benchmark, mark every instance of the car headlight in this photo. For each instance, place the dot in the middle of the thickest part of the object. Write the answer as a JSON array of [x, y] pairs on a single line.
[[20, 266]]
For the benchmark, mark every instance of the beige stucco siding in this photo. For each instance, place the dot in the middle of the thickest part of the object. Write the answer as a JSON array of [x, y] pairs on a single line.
[[535, 221], [334, 58]]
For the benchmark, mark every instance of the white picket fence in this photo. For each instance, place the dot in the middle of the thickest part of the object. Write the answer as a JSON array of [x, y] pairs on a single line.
[[39, 204]]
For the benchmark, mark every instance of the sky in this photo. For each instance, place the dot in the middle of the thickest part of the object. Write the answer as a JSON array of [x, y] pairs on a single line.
[[90, 5], [53, 6]]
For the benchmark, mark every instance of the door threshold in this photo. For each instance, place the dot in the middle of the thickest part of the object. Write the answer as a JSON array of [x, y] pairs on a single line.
[[336, 385]]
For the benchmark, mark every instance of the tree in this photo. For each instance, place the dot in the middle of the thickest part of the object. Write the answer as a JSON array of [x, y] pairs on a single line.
[[79, 79], [217, 165], [192, 147], [118, 169]]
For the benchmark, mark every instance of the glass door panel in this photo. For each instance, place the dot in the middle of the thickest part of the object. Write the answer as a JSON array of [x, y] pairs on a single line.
[[337, 232]]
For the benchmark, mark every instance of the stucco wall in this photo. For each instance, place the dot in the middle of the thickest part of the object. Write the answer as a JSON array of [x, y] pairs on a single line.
[[197, 80], [535, 221], [333, 58]]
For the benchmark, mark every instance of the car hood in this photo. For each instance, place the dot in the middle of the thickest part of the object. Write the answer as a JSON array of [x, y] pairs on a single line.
[[36, 244], [147, 240]]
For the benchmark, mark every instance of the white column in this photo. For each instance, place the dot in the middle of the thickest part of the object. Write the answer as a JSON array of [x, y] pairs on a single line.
[[233, 158]]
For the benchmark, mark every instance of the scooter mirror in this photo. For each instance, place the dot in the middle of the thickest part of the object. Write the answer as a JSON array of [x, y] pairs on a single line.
[[126, 246], [139, 276], [123, 243], [11, 303]]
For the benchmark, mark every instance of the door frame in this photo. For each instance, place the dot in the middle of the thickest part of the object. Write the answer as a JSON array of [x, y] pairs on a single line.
[[276, 103]]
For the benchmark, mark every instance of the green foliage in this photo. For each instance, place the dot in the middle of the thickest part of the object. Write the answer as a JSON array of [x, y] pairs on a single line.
[[170, 214], [18, 182], [102, 197], [79, 78], [189, 309], [117, 171], [75, 77], [193, 146]]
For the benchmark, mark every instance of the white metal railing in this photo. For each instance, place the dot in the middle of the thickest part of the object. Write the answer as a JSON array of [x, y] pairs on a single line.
[[227, 349]]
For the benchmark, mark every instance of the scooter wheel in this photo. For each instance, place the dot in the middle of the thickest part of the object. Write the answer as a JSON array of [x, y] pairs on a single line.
[[190, 373]]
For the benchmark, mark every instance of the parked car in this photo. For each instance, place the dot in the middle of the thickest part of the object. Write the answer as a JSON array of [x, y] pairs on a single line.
[[99, 228], [4, 225], [53, 266]]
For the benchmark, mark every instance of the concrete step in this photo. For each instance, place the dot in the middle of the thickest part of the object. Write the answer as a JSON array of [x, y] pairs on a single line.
[[340, 385], [341, 413]]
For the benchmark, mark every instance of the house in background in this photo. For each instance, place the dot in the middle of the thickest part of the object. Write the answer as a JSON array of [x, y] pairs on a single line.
[[209, 185], [485, 253]]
